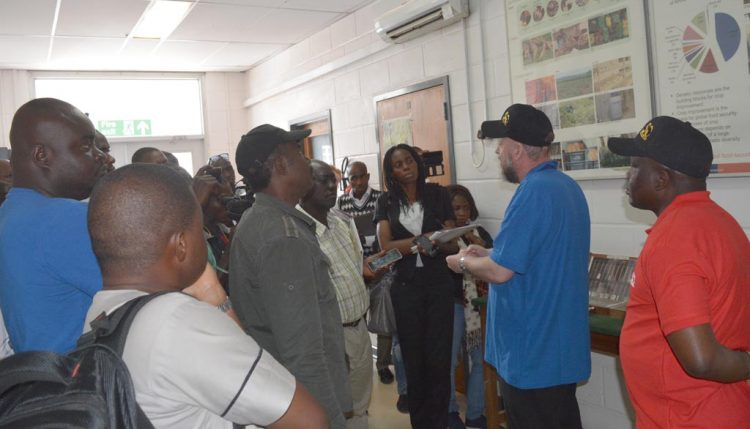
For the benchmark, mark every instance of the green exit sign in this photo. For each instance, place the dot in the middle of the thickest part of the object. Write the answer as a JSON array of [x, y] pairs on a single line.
[[125, 127]]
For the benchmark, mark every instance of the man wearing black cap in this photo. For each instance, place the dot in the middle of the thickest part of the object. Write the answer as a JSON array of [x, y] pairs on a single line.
[[279, 278], [684, 343], [537, 312]]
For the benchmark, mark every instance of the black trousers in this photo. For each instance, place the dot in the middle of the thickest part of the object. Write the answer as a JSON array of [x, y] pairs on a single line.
[[385, 346], [553, 407], [424, 317]]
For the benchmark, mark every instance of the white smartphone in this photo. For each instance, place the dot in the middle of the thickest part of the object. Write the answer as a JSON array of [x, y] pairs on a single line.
[[388, 258]]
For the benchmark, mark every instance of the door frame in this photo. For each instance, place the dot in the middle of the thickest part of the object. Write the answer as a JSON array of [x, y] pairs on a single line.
[[324, 115], [446, 109]]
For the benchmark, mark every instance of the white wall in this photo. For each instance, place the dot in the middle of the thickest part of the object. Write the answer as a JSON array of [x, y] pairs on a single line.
[[224, 115], [343, 67], [15, 89]]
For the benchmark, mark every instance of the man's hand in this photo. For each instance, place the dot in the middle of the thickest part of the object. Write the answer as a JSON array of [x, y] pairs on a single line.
[[452, 261], [478, 263], [205, 186], [370, 275], [477, 251], [207, 288]]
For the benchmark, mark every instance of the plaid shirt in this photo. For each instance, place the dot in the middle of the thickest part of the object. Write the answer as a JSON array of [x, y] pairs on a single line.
[[339, 241]]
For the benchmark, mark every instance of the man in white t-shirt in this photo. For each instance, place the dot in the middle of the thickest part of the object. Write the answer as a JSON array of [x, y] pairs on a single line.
[[191, 365]]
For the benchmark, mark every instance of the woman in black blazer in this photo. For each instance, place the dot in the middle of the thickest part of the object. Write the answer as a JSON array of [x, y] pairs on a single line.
[[422, 291]]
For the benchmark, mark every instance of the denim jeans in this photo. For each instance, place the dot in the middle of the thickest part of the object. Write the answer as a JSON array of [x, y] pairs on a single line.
[[474, 378], [398, 365]]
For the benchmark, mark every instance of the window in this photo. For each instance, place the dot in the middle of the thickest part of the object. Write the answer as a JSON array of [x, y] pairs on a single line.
[[133, 108], [185, 159]]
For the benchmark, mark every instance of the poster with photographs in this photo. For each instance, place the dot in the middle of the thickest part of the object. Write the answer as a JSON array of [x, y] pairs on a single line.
[[580, 63], [702, 60]]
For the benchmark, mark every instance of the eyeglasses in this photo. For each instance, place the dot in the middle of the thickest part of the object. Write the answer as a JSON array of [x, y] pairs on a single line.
[[215, 158]]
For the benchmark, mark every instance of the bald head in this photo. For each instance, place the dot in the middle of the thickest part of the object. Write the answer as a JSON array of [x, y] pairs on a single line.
[[6, 171], [149, 155], [53, 150], [136, 212], [172, 160]]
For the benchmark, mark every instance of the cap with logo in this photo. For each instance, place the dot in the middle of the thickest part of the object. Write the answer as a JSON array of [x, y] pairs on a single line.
[[521, 122], [671, 142], [258, 144]]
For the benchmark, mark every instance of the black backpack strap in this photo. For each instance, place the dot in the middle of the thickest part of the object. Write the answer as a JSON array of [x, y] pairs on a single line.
[[112, 330], [33, 366]]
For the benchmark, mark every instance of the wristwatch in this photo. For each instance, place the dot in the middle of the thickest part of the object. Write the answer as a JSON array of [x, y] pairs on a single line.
[[462, 263], [225, 306]]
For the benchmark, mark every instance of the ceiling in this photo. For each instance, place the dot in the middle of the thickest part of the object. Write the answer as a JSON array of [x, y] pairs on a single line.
[[216, 35]]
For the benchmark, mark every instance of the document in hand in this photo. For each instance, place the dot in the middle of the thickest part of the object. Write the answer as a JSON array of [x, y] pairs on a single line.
[[447, 235]]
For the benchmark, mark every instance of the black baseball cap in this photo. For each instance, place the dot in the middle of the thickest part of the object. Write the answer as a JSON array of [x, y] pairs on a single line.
[[258, 144], [521, 122], [671, 142]]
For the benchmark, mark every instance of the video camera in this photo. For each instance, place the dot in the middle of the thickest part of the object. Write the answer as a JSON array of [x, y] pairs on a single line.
[[239, 202], [433, 163]]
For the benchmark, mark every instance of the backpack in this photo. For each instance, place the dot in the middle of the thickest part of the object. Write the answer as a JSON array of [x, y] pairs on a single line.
[[89, 387]]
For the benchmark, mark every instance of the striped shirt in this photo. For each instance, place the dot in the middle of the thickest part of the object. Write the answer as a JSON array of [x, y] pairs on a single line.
[[340, 243], [360, 207]]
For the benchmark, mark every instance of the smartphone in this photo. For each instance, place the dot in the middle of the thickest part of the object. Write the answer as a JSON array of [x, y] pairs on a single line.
[[425, 244], [389, 257], [216, 172]]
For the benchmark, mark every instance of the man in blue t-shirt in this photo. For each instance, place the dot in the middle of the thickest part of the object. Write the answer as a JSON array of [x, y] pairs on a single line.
[[537, 312], [48, 272]]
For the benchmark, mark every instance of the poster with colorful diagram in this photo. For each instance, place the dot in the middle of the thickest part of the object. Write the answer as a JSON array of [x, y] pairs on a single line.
[[702, 59], [581, 62]]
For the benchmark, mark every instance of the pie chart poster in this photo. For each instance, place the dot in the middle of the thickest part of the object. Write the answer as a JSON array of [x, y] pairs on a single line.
[[703, 72]]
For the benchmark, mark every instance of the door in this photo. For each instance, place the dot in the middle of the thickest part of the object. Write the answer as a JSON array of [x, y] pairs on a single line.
[[419, 116]]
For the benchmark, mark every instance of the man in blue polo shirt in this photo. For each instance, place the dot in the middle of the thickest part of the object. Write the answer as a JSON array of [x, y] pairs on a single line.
[[537, 313], [48, 272]]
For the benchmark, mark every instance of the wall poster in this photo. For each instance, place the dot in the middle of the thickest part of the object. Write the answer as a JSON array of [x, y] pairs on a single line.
[[702, 58], [585, 64], [397, 131]]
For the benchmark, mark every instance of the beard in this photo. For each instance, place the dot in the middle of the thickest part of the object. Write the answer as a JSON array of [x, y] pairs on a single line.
[[509, 171]]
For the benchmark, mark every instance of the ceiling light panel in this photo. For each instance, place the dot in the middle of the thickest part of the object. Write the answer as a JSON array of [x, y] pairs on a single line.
[[161, 19]]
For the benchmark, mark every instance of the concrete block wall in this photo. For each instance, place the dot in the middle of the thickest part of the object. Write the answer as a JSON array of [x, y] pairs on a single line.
[[15, 89], [224, 115]]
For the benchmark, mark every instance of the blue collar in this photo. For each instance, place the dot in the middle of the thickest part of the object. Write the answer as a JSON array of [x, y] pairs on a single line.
[[544, 166]]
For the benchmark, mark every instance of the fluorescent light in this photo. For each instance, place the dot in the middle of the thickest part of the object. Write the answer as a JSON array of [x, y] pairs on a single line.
[[161, 18]]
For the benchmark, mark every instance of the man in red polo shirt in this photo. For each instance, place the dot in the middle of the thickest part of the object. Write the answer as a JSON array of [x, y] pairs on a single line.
[[687, 327]]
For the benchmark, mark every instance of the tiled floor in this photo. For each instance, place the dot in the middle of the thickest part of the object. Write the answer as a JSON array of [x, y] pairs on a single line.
[[383, 413]]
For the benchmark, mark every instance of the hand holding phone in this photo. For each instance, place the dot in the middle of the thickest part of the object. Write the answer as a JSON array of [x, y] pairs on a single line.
[[386, 259], [425, 245]]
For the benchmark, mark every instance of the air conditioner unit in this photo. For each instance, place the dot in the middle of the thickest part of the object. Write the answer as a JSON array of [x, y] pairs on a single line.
[[407, 19]]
